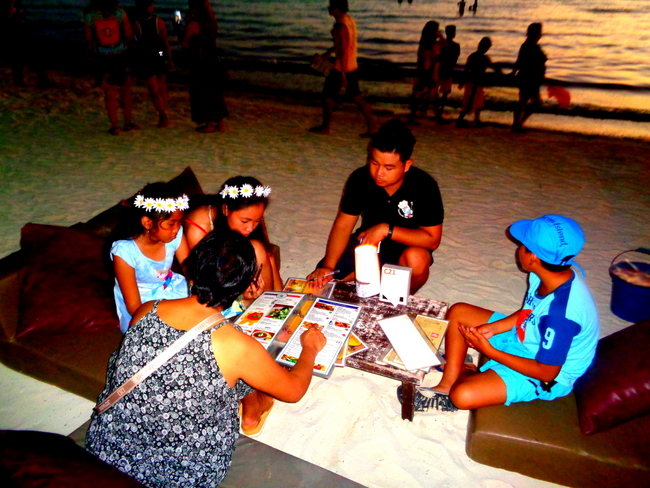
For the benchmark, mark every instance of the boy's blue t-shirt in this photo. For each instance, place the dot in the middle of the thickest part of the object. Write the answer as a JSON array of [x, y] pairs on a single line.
[[561, 328]]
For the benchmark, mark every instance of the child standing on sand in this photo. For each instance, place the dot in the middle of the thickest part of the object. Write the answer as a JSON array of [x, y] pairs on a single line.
[[539, 351], [153, 56], [143, 248]]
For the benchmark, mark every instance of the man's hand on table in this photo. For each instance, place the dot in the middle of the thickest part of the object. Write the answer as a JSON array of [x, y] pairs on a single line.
[[374, 235]]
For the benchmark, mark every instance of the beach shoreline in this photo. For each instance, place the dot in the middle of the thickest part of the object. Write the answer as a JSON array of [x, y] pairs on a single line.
[[60, 166]]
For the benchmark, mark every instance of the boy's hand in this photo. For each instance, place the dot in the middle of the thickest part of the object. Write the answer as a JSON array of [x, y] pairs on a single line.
[[476, 340], [486, 330]]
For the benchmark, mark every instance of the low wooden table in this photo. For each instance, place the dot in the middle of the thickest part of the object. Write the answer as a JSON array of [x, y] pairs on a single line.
[[370, 332]]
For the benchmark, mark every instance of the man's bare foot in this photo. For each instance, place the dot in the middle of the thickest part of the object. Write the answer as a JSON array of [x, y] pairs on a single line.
[[320, 130]]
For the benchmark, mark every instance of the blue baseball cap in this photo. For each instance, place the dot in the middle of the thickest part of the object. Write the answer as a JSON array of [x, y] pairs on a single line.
[[552, 238]]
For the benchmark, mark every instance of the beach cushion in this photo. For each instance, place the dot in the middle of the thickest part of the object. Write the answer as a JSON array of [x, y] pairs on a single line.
[[616, 388], [40, 459], [66, 287]]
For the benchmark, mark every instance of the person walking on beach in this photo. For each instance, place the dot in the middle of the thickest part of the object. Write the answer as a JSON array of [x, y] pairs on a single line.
[[400, 207], [207, 76], [153, 56], [529, 70], [448, 59], [539, 351], [108, 36], [344, 74], [425, 82], [474, 96]]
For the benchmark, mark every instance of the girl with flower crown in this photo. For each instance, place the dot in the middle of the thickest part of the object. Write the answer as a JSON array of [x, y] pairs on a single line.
[[239, 206], [143, 247]]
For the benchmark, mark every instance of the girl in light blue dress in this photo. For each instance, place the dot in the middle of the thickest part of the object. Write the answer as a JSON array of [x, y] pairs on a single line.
[[143, 250]]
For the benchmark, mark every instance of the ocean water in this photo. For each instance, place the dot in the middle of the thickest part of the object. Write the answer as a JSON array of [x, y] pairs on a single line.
[[600, 47]]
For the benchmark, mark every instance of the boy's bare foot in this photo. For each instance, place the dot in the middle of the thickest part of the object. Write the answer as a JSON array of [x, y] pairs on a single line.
[[320, 130]]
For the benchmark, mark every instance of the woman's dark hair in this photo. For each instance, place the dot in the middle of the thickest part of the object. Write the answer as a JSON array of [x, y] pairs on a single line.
[[239, 203], [429, 34], [221, 267]]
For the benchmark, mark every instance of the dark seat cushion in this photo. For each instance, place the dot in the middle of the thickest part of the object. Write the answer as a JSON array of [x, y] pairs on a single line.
[[66, 288], [43, 460], [616, 388]]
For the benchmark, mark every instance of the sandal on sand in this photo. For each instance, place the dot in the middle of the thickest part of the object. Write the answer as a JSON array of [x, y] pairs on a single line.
[[319, 130], [439, 400], [256, 429]]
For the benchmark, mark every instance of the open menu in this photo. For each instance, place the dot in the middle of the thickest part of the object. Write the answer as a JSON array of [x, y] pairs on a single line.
[[277, 319], [335, 320], [269, 316]]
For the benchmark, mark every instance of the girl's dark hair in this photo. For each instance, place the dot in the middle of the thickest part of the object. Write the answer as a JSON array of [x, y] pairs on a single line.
[[130, 225], [429, 34], [239, 203], [221, 267]]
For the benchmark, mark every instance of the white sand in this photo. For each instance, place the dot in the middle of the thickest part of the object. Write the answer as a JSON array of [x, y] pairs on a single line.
[[59, 166]]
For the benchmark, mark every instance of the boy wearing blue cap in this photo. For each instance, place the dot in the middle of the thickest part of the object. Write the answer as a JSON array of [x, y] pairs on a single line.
[[539, 351]]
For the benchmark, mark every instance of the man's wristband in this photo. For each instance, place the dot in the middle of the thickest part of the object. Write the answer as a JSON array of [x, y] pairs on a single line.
[[391, 228]]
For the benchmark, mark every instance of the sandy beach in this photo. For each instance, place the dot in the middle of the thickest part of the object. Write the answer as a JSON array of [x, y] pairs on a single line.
[[59, 166]]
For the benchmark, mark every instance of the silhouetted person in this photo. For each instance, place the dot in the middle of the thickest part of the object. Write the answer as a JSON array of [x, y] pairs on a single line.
[[461, 7], [108, 36], [424, 84], [20, 46], [477, 63], [448, 59], [207, 76], [344, 74], [153, 56], [529, 69]]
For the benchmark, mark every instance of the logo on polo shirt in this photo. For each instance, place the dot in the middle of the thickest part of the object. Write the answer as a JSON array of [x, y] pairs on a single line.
[[405, 209]]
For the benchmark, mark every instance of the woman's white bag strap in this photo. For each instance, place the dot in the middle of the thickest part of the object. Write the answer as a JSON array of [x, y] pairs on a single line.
[[158, 361]]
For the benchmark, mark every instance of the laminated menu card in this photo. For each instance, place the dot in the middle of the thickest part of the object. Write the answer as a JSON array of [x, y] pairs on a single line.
[[335, 320], [413, 345], [269, 317]]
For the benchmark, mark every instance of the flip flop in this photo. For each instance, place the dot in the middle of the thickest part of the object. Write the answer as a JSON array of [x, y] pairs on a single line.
[[256, 429]]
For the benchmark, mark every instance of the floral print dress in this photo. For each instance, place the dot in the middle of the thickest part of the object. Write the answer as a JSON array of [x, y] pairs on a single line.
[[179, 426]]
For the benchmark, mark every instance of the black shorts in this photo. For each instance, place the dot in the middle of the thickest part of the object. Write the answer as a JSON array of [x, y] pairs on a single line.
[[151, 63], [115, 66], [334, 83], [389, 253]]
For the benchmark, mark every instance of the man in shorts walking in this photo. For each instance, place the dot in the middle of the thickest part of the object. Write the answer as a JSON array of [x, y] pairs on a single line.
[[344, 74]]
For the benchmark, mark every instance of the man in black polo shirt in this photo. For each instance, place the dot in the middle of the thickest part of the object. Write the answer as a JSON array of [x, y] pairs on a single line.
[[399, 204]]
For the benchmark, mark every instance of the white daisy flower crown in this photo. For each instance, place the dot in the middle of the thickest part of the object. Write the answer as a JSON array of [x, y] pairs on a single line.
[[245, 191], [162, 204]]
